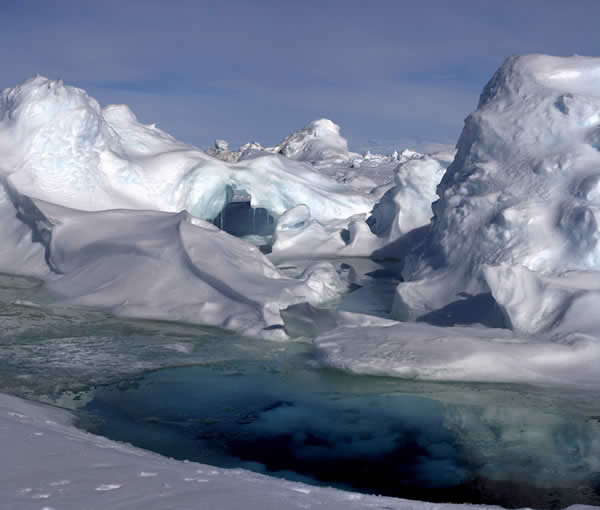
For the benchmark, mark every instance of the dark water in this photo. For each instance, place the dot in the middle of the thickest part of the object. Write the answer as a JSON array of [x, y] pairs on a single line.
[[459, 443], [204, 394]]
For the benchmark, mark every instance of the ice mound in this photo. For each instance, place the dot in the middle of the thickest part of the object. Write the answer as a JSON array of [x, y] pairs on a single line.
[[170, 266], [422, 351], [319, 140], [407, 205], [522, 190], [404, 207], [58, 145]]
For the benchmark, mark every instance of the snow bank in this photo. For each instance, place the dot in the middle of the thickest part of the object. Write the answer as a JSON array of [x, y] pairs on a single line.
[[47, 463], [521, 190]]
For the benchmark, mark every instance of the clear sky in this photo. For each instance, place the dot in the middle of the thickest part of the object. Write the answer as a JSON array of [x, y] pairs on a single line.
[[391, 73]]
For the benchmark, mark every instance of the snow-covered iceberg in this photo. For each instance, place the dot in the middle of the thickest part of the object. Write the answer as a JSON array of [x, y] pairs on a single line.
[[92, 201], [167, 266], [521, 192], [59, 145]]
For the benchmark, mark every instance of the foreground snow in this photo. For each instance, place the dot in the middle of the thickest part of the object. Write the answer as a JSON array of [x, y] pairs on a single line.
[[46, 463]]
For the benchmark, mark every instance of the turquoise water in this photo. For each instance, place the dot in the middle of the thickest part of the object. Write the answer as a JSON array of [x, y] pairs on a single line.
[[477, 443], [204, 394]]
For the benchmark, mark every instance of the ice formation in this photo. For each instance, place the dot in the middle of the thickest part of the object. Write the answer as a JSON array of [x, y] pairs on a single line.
[[58, 145], [319, 140], [519, 197], [100, 195], [513, 223], [81, 182], [515, 230], [404, 207]]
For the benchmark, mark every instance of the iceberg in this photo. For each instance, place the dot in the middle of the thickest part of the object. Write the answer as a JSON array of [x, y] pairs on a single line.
[[404, 207], [521, 191], [60, 146], [93, 201]]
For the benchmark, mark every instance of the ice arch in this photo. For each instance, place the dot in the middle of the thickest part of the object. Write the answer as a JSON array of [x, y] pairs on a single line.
[[59, 145]]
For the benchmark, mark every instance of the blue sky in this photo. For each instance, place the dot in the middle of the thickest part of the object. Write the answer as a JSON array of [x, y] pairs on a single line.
[[391, 73]]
